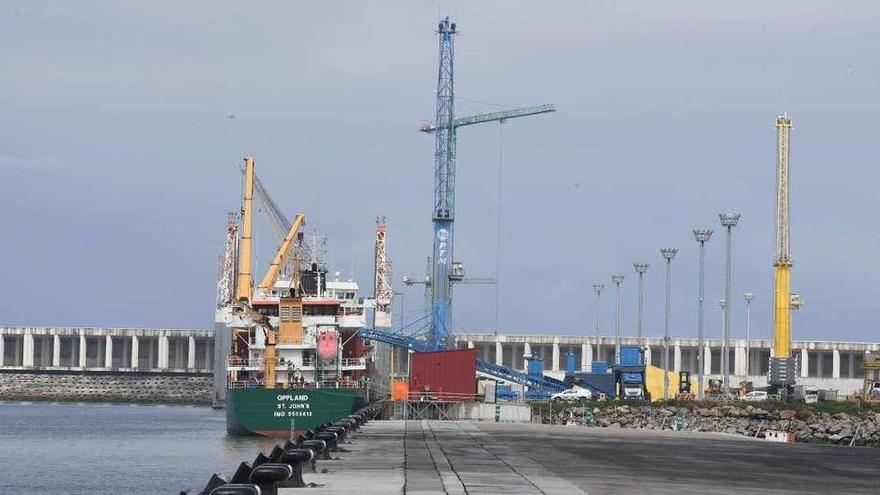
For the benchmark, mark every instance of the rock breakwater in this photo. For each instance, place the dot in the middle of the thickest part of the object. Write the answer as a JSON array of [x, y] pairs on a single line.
[[133, 388], [748, 420]]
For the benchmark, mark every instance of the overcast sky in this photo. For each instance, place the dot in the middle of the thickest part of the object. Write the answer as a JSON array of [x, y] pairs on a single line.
[[123, 124]]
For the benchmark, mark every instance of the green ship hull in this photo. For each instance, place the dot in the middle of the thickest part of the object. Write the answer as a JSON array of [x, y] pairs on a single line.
[[277, 412]]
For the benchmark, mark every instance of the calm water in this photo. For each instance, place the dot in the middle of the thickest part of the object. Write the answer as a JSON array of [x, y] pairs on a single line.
[[113, 449]]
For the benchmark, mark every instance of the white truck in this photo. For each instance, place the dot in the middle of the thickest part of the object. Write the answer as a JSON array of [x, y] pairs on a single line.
[[807, 394]]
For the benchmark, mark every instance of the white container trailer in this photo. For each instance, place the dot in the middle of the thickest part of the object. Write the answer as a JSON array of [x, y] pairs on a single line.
[[806, 393]]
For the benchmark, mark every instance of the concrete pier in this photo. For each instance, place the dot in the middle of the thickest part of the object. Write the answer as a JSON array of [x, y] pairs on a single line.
[[427, 457]]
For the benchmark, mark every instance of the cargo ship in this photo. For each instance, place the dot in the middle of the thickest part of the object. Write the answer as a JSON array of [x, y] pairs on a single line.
[[293, 356]]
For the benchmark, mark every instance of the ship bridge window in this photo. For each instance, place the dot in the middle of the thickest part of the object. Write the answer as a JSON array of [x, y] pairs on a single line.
[[320, 310], [267, 310]]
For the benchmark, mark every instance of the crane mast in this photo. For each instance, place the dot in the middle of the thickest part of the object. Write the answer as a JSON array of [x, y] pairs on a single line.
[[444, 270], [382, 289], [280, 258], [444, 189], [783, 368], [226, 277], [245, 284]]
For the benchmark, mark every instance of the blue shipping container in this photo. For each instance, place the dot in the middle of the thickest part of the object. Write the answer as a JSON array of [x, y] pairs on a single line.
[[599, 367], [630, 355], [536, 367], [569, 363]]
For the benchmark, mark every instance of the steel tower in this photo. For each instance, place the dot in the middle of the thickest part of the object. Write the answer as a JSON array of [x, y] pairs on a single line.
[[444, 189], [783, 368], [228, 262], [382, 289]]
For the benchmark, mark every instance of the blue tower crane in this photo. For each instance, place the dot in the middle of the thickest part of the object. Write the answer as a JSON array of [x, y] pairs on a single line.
[[444, 271], [444, 190]]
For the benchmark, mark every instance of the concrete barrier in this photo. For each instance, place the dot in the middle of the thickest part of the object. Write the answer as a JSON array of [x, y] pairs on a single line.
[[507, 413]]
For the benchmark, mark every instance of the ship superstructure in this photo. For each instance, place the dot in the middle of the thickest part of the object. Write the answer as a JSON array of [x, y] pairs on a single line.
[[294, 357]]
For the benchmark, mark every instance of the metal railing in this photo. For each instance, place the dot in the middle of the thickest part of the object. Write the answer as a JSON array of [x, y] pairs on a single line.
[[324, 384], [237, 362], [353, 362], [431, 396]]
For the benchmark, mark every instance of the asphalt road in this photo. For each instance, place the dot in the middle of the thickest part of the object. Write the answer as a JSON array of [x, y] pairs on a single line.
[[622, 461]]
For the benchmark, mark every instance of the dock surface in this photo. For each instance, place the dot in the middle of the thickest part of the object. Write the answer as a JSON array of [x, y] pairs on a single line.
[[434, 457]]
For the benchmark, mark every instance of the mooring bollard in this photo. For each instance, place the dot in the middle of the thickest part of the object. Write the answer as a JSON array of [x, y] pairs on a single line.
[[340, 432], [319, 447], [236, 489], [331, 439], [351, 422], [295, 459], [269, 476]]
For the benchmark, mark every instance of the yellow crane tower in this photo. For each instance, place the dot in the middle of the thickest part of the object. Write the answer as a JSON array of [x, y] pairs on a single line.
[[245, 286], [783, 367]]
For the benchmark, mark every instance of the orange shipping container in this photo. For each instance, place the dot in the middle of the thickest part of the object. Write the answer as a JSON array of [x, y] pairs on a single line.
[[399, 390]]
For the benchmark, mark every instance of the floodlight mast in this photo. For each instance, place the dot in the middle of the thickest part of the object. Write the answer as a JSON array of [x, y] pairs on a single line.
[[668, 254], [702, 236], [641, 267], [618, 313], [598, 288], [728, 221]]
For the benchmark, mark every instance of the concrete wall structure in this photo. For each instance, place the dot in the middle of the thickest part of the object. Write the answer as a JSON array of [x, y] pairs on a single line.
[[106, 349], [826, 364]]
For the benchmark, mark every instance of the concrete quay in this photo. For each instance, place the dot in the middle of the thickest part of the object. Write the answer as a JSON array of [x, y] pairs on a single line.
[[432, 457]]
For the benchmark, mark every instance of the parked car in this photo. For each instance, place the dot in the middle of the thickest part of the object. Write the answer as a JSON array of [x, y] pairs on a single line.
[[573, 394], [756, 396]]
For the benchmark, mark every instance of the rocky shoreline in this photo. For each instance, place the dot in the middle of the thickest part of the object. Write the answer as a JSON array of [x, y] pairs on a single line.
[[747, 420], [139, 389]]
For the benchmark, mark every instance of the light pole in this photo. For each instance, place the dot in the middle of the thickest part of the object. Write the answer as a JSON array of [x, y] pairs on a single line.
[[729, 221], [702, 236], [598, 288], [641, 267], [668, 254], [725, 366], [617, 279], [748, 296]]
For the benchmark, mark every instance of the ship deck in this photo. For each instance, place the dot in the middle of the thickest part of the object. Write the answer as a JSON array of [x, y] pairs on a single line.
[[422, 457]]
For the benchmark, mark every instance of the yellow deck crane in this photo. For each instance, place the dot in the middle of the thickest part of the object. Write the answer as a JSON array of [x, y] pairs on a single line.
[[244, 287], [286, 304], [783, 367]]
